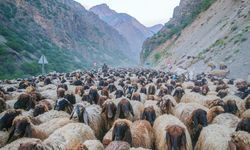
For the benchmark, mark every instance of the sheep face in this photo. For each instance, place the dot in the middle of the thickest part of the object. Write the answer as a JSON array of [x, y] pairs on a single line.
[[199, 117], [21, 127], [109, 108], [79, 112], [149, 115], [196, 89], [24, 102], [7, 119], [166, 106], [37, 145], [118, 94], [179, 92], [40, 109], [60, 92], [216, 102], [63, 104], [244, 125], [105, 92], [143, 90], [151, 90], [94, 96], [222, 93], [237, 143], [136, 97], [112, 88], [71, 98], [231, 107], [121, 132], [124, 109], [175, 137], [2, 105], [204, 90]]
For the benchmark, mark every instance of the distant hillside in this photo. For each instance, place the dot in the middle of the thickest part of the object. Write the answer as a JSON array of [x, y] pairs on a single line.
[[129, 27], [201, 32], [156, 28], [70, 37]]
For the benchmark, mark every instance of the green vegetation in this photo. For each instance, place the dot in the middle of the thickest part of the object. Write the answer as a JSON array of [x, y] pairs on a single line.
[[8, 10], [157, 56]]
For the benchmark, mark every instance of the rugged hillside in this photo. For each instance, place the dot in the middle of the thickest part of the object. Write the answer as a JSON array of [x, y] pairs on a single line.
[[156, 28], [129, 27], [218, 34], [70, 36]]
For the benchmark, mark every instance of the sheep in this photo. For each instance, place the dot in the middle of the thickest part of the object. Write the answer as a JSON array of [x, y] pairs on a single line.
[[214, 136], [23, 127], [166, 105], [239, 140], [187, 85], [42, 107], [246, 114], [137, 134], [239, 102], [226, 119], [47, 116], [15, 145], [25, 101], [67, 137], [247, 102], [170, 133], [89, 115], [149, 114], [231, 107], [8, 117], [118, 145], [108, 114], [244, 125], [124, 110], [151, 89], [90, 145], [138, 108]]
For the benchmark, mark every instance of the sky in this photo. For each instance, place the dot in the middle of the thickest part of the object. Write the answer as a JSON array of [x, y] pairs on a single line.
[[148, 12]]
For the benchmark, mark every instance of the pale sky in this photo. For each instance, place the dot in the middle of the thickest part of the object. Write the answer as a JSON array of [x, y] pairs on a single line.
[[148, 12]]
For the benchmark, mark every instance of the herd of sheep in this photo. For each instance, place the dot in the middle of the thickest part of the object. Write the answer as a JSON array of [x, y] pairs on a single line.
[[122, 109]]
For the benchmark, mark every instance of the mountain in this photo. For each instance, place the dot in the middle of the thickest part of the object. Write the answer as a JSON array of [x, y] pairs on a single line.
[[203, 32], [156, 28], [63, 30], [126, 25]]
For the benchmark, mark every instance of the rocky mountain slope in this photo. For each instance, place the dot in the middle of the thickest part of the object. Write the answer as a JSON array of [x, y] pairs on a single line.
[[213, 31], [129, 27], [156, 28], [63, 30]]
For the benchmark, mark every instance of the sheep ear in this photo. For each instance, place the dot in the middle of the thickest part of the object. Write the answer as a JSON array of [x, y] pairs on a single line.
[[131, 109], [113, 133], [12, 130], [86, 118], [128, 136], [118, 110], [143, 116], [183, 139], [168, 141], [28, 131], [103, 109]]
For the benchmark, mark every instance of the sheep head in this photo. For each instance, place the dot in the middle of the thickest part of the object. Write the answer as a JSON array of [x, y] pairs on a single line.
[[166, 106], [79, 112], [124, 109], [94, 96], [175, 137], [2, 105], [136, 97], [239, 141], [143, 90], [222, 93], [111, 88], [60, 92], [121, 131], [37, 145], [149, 114], [7, 118], [119, 93], [244, 125], [204, 90], [109, 109], [216, 102], [179, 92], [40, 109], [21, 127], [151, 90], [231, 107], [24, 101]]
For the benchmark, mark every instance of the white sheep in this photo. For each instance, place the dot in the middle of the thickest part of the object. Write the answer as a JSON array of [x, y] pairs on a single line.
[[164, 127], [91, 145], [214, 136], [226, 119], [47, 116]]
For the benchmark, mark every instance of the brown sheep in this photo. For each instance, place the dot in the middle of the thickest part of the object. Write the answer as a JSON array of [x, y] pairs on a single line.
[[79, 90], [108, 114], [244, 125], [124, 110], [138, 134], [102, 100], [8, 117], [149, 114], [151, 90], [42, 107], [239, 141], [25, 101], [204, 90], [136, 96]]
